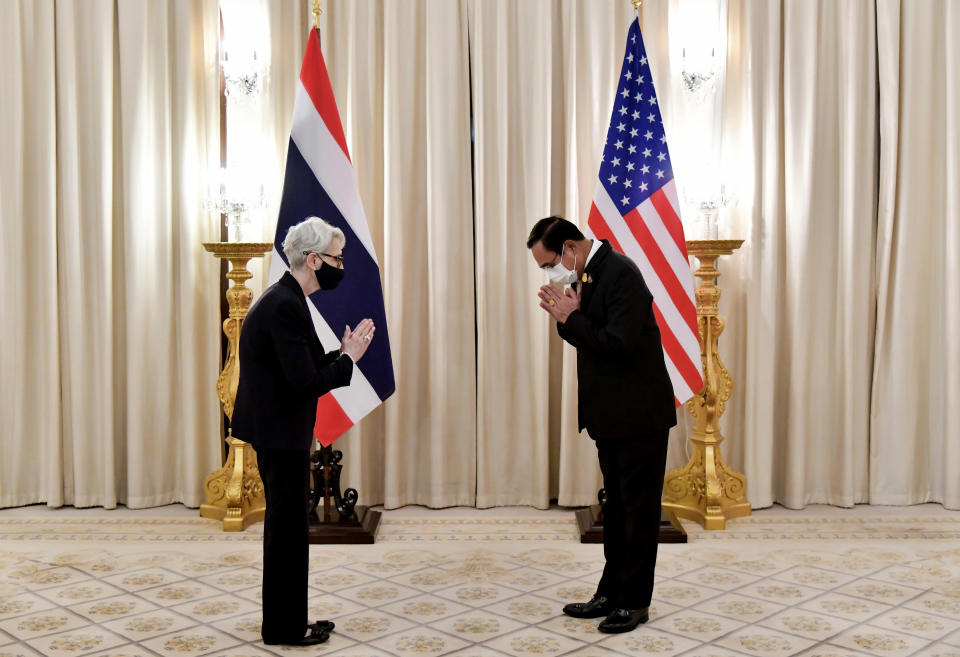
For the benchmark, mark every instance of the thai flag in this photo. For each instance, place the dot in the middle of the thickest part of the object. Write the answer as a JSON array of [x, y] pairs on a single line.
[[320, 181]]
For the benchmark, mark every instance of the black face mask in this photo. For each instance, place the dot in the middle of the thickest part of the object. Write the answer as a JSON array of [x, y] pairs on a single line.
[[328, 277]]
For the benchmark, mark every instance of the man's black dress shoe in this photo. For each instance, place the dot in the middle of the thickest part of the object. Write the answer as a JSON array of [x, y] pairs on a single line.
[[322, 625], [598, 607], [317, 635], [624, 620]]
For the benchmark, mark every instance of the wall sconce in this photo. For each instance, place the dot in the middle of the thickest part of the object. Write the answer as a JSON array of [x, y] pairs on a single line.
[[709, 215], [698, 38], [238, 197], [705, 195], [699, 73], [243, 72], [698, 48]]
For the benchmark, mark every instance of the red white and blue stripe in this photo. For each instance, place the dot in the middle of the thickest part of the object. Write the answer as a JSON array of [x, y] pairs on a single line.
[[320, 181], [636, 208]]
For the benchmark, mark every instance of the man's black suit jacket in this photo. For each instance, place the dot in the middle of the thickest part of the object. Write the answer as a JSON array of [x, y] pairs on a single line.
[[283, 371], [624, 387]]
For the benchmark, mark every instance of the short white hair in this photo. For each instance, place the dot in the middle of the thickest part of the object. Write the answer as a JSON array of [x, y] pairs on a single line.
[[312, 235]]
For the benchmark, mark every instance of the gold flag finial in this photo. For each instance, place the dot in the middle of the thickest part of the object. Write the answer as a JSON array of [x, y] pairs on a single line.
[[316, 13], [636, 4]]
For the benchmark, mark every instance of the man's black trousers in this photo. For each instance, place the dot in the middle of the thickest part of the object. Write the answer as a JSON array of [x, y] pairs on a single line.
[[286, 556], [633, 471]]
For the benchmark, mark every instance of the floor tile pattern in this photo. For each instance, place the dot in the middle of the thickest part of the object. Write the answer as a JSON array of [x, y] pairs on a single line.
[[168, 589]]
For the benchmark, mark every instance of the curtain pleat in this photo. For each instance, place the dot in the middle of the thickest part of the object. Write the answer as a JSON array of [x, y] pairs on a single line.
[[801, 115], [914, 454], [30, 419]]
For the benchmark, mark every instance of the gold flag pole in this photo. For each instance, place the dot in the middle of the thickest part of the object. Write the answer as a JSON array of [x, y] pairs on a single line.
[[316, 13]]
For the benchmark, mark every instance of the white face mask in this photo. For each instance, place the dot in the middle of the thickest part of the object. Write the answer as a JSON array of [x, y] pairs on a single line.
[[560, 275]]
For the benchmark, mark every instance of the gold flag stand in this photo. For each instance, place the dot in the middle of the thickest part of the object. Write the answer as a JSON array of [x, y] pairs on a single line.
[[707, 490], [234, 494]]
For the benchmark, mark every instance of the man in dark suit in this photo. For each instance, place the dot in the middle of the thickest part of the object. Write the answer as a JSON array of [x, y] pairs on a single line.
[[283, 371], [625, 402]]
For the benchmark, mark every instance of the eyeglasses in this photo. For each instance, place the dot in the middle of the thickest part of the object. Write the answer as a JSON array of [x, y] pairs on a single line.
[[338, 258], [550, 265]]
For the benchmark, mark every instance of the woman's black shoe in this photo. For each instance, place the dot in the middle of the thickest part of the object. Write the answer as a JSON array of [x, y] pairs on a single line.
[[315, 637], [322, 625]]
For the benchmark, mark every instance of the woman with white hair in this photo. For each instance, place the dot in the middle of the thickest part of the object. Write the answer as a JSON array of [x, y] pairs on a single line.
[[283, 371]]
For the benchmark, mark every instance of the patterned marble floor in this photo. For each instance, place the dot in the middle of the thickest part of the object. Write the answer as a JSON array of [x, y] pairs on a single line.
[[489, 587]]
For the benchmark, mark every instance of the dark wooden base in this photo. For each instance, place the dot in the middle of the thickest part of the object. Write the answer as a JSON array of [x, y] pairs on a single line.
[[359, 530], [591, 526]]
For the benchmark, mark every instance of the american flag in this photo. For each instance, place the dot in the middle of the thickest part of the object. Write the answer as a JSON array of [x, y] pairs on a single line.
[[319, 181], [635, 207]]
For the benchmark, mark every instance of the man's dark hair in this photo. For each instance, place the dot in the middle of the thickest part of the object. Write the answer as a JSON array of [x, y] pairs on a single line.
[[552, 232]]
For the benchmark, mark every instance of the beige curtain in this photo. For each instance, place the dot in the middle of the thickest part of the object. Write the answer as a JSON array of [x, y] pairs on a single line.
[[839, 135], [30, 356], [110, 114], [539, 130], [801, 116], [400, 75], [544, 80], [537, 134], [914, 452], [515, 123], [401, 78], [800, 124]]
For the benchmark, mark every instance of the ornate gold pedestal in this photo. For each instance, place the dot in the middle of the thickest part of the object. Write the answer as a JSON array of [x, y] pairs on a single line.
[[234, 493], [707, 490]]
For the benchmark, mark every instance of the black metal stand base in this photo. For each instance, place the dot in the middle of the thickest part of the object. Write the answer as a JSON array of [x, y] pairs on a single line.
[[360, 529], [334, 517], [590, 522]]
